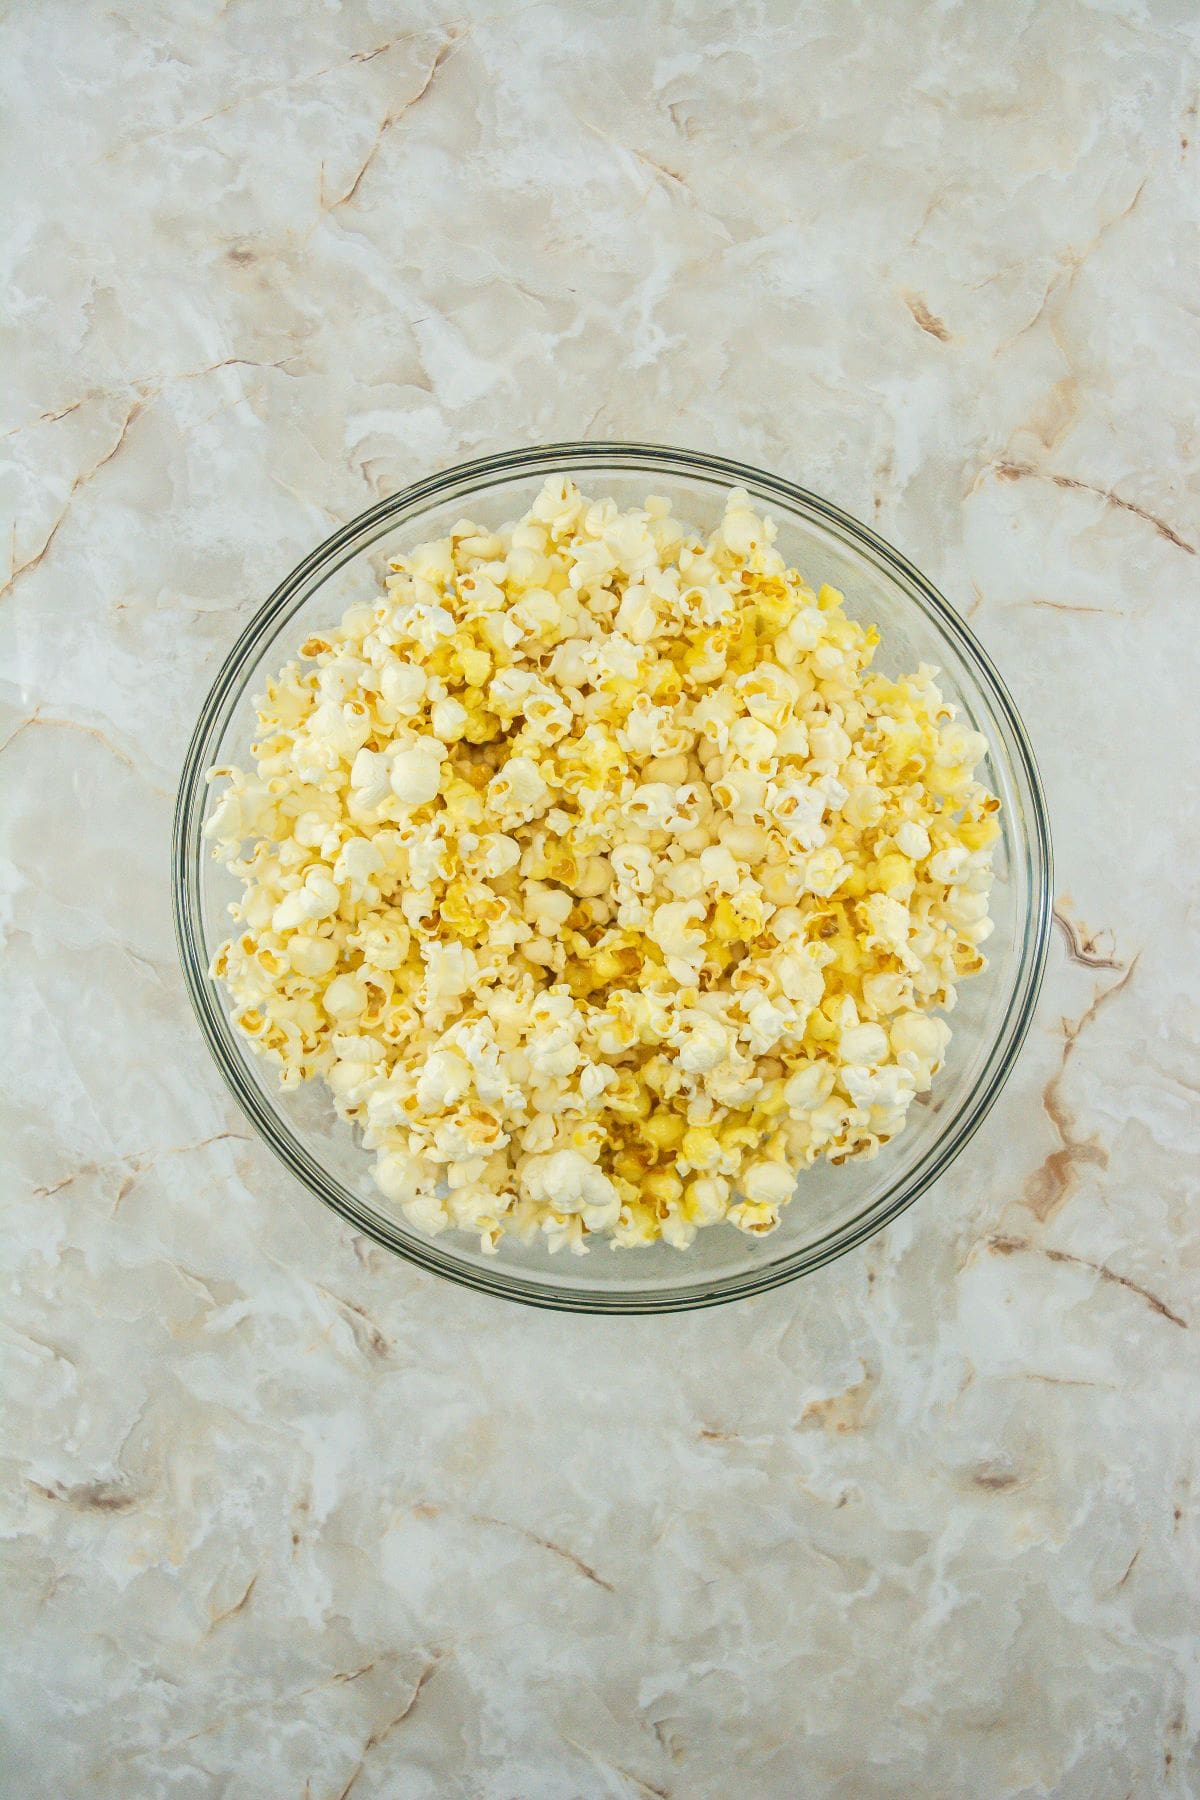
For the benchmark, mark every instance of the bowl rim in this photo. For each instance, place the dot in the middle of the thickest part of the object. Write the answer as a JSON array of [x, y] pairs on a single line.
[[186, 850]]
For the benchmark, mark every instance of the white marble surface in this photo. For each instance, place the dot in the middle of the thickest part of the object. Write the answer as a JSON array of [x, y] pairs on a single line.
[[286, 1519]]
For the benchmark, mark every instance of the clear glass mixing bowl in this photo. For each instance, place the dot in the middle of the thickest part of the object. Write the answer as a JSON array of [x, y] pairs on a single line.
[[835, 1208]]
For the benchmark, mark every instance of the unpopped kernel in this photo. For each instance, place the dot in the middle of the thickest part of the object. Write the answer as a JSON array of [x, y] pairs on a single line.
[[600, 879]]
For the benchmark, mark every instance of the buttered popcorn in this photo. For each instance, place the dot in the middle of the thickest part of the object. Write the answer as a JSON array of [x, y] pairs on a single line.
[[601, 880]]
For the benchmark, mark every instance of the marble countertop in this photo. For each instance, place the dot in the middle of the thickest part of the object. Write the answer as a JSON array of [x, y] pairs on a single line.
[[288, 1519]]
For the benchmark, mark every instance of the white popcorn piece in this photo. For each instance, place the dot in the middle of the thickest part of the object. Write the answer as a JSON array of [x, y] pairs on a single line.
[[416, 772], [949, 865], [767, 1183], [445, 1078], [567, 1181], [912, 840], [370, 779], [403, 687], [518, 792], [499, 854], [448, 720], [704, 1043], [863, 1044]]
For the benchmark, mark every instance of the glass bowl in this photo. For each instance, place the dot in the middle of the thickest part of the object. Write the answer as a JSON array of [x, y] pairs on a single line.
[[835, 1208]]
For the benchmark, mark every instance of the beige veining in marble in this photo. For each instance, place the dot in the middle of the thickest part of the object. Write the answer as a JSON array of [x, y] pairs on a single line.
[[286, 1519]]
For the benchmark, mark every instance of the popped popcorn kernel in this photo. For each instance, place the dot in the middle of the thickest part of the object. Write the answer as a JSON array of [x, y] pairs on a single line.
[[600, 878]]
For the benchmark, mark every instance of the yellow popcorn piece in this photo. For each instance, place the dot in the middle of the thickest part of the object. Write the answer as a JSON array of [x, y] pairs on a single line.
[[601, 880]]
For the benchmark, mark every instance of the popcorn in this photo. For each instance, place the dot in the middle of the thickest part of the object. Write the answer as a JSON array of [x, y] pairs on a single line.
[[768, 1183], [918, 1037], [445, 1077], [345, 998], [568, 1183], [416, 772], [600, 878], [448, 720], [675, 927], [315, 900], [863, 1044], [370, 780], [703, 1044], [403, 687], [498, 854], [949, 864], [912, 840], [517, 792]]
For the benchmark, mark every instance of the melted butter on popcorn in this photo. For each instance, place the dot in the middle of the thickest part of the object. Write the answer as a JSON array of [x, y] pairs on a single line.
[[600, 879]]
